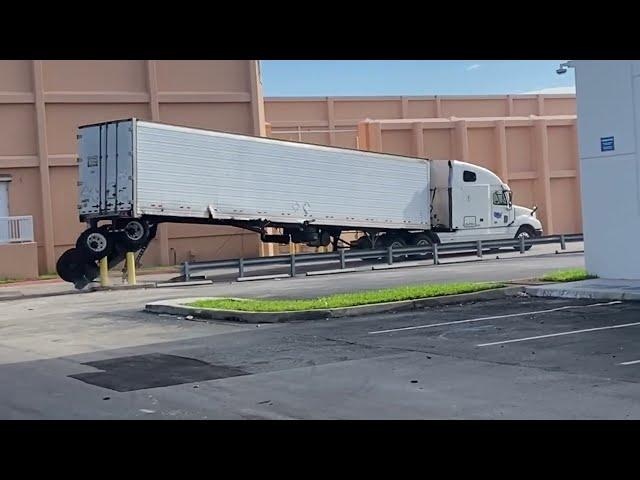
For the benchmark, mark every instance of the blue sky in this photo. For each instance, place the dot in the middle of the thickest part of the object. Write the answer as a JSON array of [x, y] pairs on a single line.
[[412, 77]]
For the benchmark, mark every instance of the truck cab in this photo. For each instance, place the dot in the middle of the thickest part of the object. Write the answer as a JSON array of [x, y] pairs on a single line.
[[470, 202]]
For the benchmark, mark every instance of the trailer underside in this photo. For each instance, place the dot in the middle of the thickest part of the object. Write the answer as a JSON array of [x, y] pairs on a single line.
[[113, 237]]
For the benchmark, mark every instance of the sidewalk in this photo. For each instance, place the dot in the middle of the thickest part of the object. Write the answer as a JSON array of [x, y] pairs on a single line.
[[38, 288], [596, 289]]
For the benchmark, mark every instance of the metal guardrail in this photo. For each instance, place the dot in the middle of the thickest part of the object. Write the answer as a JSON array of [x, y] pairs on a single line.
[[341, 256], [16, 229]]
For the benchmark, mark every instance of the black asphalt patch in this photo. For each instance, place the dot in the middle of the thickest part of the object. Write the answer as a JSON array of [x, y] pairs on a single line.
[[126, 374]]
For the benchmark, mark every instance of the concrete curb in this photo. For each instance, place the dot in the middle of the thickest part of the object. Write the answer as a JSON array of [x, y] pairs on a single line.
[[177, 307], [589, 294]]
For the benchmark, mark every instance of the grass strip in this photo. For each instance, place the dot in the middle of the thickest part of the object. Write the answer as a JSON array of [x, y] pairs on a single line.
[[351, 299], [571, 275]]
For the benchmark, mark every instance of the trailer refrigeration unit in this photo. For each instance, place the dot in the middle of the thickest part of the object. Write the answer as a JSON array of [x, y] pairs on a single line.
[[136, 174]]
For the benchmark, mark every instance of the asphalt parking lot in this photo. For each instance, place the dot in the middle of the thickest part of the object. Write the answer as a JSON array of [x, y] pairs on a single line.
[[511, 358]]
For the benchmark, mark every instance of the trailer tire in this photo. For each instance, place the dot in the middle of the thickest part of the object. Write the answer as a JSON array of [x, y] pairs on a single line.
[[420, 240], [95, 243], [135, 234], [71, 265], [394, 241], [525, 231]]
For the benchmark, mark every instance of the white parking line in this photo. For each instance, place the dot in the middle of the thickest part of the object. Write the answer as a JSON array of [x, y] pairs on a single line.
[[630, 363], [560, 334], [495, 317]]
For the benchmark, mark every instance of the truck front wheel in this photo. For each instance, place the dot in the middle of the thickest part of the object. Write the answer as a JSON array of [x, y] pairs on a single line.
[[526, 232]]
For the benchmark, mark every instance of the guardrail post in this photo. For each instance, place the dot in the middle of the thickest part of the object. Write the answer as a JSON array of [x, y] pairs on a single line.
[[241, 267], [187, 273], [435, 254], [521, 244], [292, 267], [479, 253], [389, 255], [343, 263], [563, 245]]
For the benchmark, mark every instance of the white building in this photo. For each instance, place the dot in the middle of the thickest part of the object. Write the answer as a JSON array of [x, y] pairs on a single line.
[[608, 96]]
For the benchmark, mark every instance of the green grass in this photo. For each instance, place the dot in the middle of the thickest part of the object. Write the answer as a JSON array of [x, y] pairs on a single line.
[[46, 276], [571, 275], [409, 292]]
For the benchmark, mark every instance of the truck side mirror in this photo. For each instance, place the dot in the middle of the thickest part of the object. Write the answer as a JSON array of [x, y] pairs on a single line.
[[509, 196]]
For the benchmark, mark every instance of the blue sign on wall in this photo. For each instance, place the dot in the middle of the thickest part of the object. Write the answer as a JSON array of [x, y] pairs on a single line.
[[607, 144]]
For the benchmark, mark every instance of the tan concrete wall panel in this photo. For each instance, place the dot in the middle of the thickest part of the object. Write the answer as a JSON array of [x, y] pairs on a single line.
[[519, 149], [228, 117], [203, 76], [359, 110], [18, 261], [474, 108], [64, 119], [421, 109], [16, 76], [17, 130], [562, 154], [95, 76], [438, 143], [482, 147], [301, 111], [564, 192]]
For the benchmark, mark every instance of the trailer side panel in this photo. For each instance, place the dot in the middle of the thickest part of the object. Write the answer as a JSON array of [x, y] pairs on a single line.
[[197, 173]]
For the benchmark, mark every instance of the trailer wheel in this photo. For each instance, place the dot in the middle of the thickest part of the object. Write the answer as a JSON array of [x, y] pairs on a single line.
[[394, 241], [71, 265], [526, 232], [420, 240], [95, 243], [135, 234]]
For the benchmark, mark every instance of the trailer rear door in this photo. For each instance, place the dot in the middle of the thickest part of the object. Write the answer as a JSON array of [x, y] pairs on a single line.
[[106, 166]]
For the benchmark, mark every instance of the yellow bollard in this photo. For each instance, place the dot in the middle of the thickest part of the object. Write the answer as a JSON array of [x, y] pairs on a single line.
[[104, 272], [131, 268]]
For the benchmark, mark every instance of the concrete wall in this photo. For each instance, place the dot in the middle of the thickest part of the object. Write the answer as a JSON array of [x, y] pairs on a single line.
[[334, 120], [43, 102], [18, 261], [536, 156], [608, 104]]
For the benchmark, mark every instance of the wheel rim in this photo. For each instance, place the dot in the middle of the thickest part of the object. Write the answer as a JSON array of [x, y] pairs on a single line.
[[396, 245], [422, 243], [97, 242], [134, 231], [524, 235]]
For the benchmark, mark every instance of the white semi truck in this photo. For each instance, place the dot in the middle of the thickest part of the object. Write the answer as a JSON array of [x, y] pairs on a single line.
[[134, 175]]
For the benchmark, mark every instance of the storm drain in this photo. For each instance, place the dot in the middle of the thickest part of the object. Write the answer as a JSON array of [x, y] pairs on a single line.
[[138, 372]]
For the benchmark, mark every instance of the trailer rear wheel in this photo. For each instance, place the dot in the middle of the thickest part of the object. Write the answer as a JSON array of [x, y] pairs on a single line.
[[135, 233], [95, 243], [71, 265]]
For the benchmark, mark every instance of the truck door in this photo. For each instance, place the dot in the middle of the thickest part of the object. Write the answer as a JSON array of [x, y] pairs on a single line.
[[470, 202], [502, 213]]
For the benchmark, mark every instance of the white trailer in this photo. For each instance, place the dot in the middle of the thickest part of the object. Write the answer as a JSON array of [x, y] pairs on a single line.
[[136, 174]]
